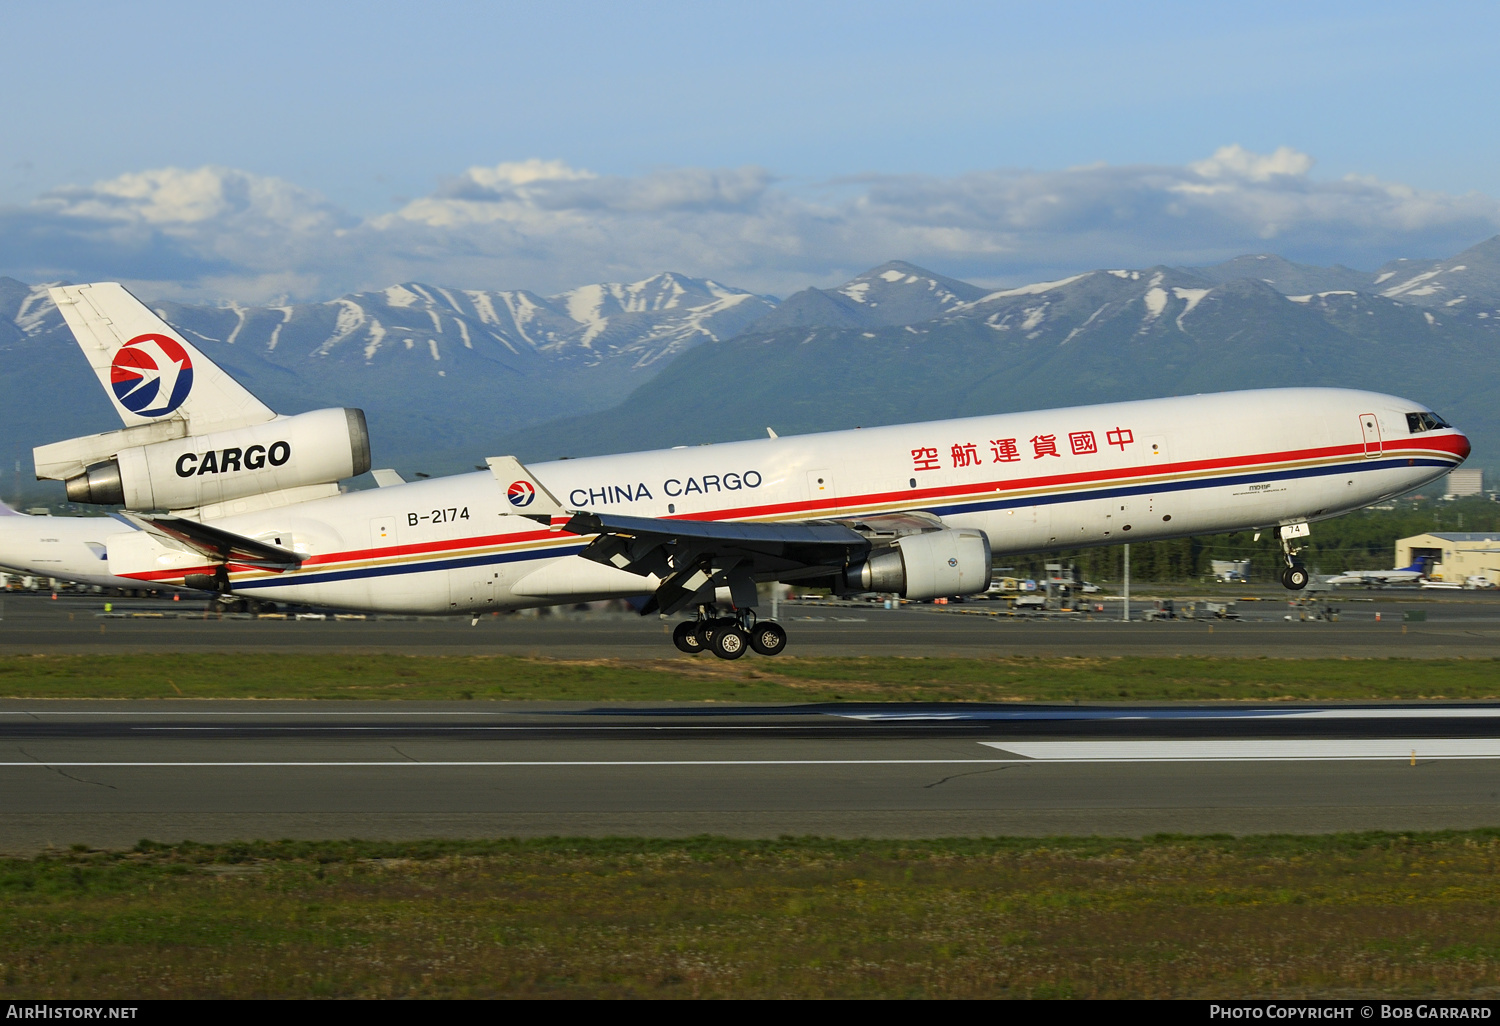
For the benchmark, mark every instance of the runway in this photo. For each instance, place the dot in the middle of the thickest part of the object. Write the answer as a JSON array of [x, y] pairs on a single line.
[[1455, 624], [107, 774]]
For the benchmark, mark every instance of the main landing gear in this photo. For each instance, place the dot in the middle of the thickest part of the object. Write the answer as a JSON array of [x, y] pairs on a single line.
[[1295, 576], [728, 637]]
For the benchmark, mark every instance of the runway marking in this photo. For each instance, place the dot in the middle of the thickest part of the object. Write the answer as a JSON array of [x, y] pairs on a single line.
[[537, 763], [872, 716], [1311, 750], [1252, 750], [1419, 713]]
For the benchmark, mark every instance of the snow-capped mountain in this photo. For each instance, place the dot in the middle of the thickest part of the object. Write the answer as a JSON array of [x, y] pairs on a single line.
[[1284, 276], [436, 369], [448, 376], [894, 293], [1469, 280], [641, 323], [1094, 337]]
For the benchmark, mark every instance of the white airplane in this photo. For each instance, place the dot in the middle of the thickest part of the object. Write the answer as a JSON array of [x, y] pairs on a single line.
[[254, 508], [68, 548], [1413, 574]]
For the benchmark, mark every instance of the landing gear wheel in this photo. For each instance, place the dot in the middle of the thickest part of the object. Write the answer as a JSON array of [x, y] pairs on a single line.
[[1294, 577], [767, 638], [685, 637], [730, 642], [709, 626]]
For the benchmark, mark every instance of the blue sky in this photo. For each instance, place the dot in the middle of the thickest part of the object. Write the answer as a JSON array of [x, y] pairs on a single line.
[[745, 141]]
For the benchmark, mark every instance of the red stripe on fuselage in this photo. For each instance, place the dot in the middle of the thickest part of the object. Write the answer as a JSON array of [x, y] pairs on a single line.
[[1448, 445]]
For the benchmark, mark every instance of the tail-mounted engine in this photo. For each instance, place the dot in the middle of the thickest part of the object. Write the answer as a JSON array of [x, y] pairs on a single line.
[[320, 447], [932, 564]]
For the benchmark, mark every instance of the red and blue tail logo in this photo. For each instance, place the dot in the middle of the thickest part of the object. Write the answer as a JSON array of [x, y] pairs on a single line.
[[521, 493], [151, 375]]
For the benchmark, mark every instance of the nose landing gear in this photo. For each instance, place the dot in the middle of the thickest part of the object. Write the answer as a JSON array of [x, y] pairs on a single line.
[[729, 637], [1295, 576]]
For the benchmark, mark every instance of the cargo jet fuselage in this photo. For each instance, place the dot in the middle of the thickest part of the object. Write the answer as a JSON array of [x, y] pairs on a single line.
[[1070, 478], [255, 509]]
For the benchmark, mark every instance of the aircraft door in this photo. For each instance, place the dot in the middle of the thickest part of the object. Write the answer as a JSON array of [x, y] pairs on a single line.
[[1369, 425]]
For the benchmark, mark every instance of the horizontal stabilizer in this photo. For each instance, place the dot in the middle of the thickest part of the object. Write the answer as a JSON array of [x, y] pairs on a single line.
[[217, 544]]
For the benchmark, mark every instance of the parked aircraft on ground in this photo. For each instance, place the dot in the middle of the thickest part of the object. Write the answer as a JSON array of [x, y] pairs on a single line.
[[1413, 574], [254, 510], [67, 548]]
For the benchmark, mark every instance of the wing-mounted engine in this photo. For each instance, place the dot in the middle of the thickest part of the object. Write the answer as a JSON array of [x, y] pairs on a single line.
[[912, 554], [932, 564], [138, 469], [917, 556]]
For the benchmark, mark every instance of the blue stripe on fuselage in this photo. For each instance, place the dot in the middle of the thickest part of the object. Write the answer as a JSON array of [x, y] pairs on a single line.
[[395, 569], [1182, 486], [494, 559]]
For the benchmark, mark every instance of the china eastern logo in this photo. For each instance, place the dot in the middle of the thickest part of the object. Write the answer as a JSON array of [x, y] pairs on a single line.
[[151, 375], [521, 493]]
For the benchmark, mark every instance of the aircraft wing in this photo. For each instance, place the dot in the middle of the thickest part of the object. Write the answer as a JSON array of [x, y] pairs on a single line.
[[217, 544], [694, 557]]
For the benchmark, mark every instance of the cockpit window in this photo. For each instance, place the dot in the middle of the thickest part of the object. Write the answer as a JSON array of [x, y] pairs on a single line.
[[1416, 423]]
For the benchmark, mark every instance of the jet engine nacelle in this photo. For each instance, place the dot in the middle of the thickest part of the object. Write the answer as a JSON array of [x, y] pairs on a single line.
[[314, 448], [933, 564]]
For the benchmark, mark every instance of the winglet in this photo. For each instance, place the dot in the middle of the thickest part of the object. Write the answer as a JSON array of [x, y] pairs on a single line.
[[526, 496]]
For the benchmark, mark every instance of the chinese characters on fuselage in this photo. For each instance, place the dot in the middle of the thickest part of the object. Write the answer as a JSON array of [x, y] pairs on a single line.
[[1009, 450]]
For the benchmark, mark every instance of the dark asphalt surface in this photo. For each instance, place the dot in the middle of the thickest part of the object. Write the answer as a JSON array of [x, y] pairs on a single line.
[[1457, 624], [108, 774]]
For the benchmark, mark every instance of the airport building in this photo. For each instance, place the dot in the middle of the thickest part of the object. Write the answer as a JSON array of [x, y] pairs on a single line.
[[1464, 482], [1456, 555]]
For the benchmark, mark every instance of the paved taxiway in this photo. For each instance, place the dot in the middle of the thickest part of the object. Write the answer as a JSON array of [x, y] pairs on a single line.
[[1457, 624], [107, 774]]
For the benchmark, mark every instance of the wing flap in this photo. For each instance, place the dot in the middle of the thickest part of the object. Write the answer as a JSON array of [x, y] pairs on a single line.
[[694, 558], [217, 544]]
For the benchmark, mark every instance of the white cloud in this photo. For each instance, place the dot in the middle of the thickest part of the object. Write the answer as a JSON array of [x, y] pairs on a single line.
[[172, 198], [1237, 162], [545, 225]]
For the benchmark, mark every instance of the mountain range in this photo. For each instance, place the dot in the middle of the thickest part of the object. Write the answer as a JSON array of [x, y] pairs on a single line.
[[439, 371], [1426, 330], [448, 376]]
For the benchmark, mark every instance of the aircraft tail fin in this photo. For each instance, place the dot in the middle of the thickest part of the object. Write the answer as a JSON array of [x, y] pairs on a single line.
[[148, 370]]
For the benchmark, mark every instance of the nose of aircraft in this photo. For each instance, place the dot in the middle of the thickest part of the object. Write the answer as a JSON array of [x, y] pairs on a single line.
[[1463, 449]]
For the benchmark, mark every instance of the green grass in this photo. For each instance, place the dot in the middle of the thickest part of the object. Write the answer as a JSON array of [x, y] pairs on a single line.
[[1374, 914], [443, 678]]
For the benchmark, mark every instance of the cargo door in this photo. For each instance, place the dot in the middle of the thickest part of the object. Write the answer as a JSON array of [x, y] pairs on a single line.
[[1369, 425]]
